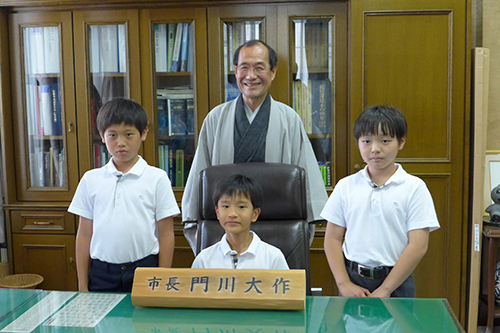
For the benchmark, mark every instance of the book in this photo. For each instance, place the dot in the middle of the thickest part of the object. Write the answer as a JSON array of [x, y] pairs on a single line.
[[232, 91], [94, 48], [56, 112], [161, 156], [177, 116], [161, 47], [108, 38], [190, 116], [171, 165], [177, 48], [179, 168], [97, 155], [62, 169], [170, 45], [34, 40], [46, 109], [122, 49], [162, 116], [51, 49], [184, 47]]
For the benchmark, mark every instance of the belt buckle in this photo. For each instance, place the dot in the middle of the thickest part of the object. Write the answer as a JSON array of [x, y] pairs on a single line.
[[365, 271]]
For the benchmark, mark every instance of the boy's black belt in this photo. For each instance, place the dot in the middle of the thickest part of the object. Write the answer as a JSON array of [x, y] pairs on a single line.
[[374, 273]]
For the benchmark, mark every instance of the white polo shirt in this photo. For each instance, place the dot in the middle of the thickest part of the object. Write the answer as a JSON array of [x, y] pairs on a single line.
[[377, 220], [259, 255], [124, 209]]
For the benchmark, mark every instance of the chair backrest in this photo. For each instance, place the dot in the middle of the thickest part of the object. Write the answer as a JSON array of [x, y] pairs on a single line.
[[283, 218]]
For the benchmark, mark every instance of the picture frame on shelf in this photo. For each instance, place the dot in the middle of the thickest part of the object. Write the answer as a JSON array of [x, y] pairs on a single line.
[[491, 176]]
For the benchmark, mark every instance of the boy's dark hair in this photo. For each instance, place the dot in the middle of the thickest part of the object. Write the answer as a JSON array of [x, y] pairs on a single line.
[[273, 57], [388, 118], [236, 185], [122, 110]]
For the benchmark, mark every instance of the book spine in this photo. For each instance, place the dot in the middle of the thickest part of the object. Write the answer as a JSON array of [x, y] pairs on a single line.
[[166, 162], [97, 155], [161, 47], [51, 49], [36, 51], [161, 156], [95, 50], [46, 109], [177, 49], [170, 47], [55, 95], [122, 49], [177, 117], [184, 47], [190, 116], [171, 165], [162, 116], [109, 48], [179, 168], [62, 179]]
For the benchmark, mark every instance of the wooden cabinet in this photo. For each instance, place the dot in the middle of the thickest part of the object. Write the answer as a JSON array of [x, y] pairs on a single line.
[[361, 52], [43, 242]]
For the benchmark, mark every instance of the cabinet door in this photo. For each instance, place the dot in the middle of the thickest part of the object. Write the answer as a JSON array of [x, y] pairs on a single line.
[[107, 66], [175, 87], [51, 256], [314, 38], [43, 106], [228, 28]]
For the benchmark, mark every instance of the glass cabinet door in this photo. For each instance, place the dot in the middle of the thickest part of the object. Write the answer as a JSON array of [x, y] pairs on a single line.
[[230, 27], [109, 65], [317, 79], [312, 85], [175, 94], [47, 140]]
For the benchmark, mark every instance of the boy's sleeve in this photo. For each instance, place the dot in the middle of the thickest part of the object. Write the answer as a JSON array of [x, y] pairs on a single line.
[[421, 211], [166, 205], [81, 204], [334, 210]]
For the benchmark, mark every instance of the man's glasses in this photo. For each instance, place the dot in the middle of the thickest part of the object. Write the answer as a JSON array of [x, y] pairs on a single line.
[[244, 69]]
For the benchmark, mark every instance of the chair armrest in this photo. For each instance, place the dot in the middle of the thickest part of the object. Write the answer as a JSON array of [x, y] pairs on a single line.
[[322, 221]]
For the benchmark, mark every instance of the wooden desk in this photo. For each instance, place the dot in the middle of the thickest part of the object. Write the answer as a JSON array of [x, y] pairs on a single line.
[[492, 234], [322, 314]]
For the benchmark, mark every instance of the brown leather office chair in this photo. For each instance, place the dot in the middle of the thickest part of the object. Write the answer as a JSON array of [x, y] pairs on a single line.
[[283, 218]]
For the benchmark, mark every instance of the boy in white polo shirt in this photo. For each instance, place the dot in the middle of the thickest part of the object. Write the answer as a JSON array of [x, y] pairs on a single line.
[[237, 202], [126, 208], [384, 213]]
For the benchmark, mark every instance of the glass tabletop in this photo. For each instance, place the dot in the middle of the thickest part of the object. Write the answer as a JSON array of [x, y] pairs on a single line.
[[94, 312]]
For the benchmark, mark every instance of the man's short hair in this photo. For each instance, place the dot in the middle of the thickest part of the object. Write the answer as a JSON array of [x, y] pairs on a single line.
[[122, 110], [239, 185], [386, 118], [273, 57]]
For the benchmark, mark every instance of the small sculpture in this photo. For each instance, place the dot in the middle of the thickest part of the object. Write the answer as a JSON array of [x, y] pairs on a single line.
[[494, 209]]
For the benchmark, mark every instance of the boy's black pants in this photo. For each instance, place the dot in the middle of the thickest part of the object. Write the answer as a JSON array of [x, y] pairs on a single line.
[[104, 276]]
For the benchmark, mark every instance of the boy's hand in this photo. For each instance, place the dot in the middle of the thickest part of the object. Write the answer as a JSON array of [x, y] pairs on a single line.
[[349, 289], [380, 293]]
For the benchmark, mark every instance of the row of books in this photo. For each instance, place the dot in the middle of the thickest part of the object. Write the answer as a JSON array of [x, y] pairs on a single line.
[[172, 47], [238, 33], [101, 155], [44, 108], [326, 172], [172, 161], [176, 114], [312, 100], [47, 166], [42, 50], [108, 48], [312, 45]]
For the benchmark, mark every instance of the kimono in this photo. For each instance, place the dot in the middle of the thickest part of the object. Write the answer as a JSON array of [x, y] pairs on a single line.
[[286, 142]]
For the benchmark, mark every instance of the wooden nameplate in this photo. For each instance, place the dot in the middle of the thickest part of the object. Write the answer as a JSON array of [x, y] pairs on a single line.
[[270, 289]]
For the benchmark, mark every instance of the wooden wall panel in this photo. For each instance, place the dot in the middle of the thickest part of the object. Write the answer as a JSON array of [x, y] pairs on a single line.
[[414, 55]]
